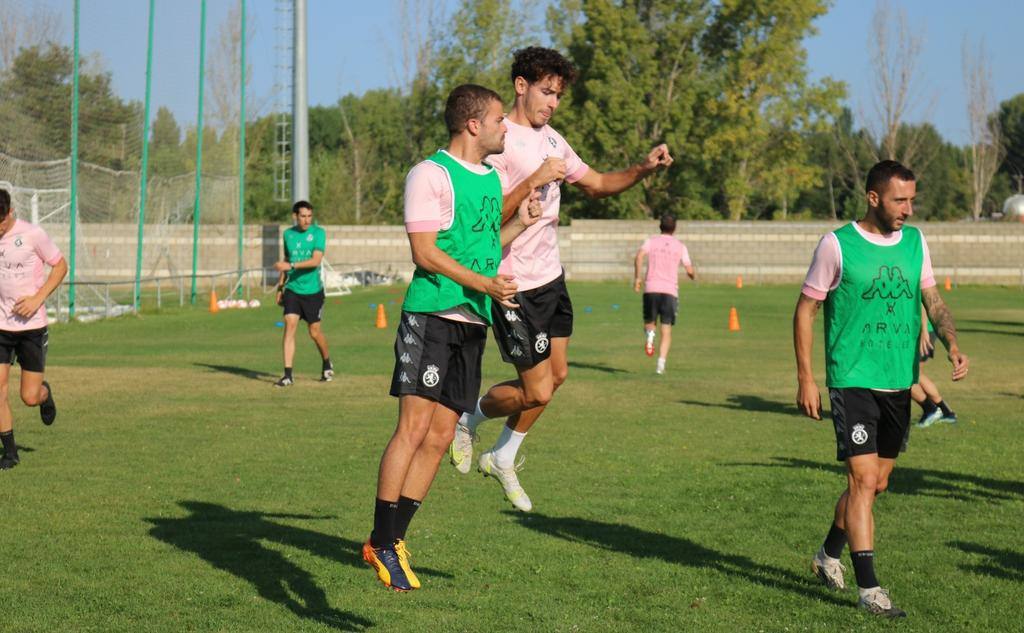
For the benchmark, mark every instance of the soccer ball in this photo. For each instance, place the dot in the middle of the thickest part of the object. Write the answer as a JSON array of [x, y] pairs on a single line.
[[255, 303], [222, 304]]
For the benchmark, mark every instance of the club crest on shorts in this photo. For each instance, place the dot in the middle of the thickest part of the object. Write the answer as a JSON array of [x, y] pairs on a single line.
[[431, 377], [859, 435], [541, 345]]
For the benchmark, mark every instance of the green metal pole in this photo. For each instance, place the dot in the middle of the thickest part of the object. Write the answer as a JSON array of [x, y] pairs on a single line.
[[145, 159], [73, 235], [199, 145], [241, 155]]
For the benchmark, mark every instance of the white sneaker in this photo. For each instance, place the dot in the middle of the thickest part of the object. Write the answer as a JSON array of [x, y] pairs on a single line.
[[829, 570], [876, 601], [661, 367], [508, 480], [460, 453]]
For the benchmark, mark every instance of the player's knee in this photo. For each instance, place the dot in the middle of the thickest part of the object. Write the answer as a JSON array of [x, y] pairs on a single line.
[[881, 485], [31, 399], [559, 376], [439, 440], [866, 482], [538, 397]]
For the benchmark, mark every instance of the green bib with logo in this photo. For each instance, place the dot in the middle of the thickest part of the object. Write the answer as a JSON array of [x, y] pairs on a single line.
[[299, 247], [873, 318], [472, 239]]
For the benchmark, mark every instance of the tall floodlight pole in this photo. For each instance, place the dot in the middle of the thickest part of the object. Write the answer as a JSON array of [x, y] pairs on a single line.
[[300, 109], [145, 160], [241, 152], [199, 145], [72, 237]]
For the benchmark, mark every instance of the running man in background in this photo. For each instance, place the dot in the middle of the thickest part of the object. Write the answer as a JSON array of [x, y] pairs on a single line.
[[534, 336], [872, 276], [300, 290], [25, 250], [925, 393], [453, 219], [664, 253]]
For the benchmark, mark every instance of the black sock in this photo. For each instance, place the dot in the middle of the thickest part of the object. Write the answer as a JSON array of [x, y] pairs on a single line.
[[864, 568], [406, 509], [288, 372], [945, 408], [327, 364], [835, 542], [10, 448], [928, 406], [384, 523]]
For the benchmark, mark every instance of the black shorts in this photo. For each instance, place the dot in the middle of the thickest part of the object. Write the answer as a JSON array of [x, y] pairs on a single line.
[[28, 346], [868, 421], [523, 334], [932, 336], [310, 308], [439, 359], [658, 305]]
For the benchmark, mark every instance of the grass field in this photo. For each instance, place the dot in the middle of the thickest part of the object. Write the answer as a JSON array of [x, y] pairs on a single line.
[[180, 491]]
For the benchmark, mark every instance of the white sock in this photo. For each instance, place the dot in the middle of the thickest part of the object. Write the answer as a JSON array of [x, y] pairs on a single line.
[[650, 336], [473, 420], [507, 446], [661, 363]]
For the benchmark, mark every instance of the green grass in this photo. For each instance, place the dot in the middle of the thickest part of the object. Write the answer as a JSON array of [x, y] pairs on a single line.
[[179, 491]]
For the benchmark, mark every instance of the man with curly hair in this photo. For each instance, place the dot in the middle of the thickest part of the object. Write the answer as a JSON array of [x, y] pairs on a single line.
[[535, 335]]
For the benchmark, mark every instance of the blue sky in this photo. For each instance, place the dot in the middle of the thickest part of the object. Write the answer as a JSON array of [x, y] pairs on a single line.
[[354, 46]]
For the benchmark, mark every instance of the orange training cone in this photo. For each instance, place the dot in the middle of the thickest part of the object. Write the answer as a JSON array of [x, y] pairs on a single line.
[[382, 317], [739, 281], [214, 308], [949, 284], [734, 320]]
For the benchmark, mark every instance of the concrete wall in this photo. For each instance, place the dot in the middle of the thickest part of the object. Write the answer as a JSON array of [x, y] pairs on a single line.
[[988, 252]]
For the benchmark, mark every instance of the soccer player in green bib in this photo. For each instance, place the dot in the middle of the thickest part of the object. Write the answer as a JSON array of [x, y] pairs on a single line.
[[453, 218], [872, 276], [300, 290]]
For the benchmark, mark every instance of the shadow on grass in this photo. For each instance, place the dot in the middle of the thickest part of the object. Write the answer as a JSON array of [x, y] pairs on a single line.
[[975, 330], [1001, 563], [252, 374], [626, 539], [918, 481], [597, 367], [1006, 323], [232, 540], [748, 403]]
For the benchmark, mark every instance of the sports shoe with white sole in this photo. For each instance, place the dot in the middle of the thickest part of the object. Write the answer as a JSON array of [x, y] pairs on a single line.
[[949, 419], [508, 480], [660, 369], [284, 382], [876, 602], [929, 419], [460, 453], [829, 570]]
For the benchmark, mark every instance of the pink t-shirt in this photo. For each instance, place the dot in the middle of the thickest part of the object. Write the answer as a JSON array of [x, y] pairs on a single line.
[[827, 264], [428, 209], [23, 251], [532, 258], [664, 253]]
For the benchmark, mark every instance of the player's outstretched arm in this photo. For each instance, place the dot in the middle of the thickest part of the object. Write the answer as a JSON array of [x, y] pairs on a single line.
[[942, 321], [430, 258], [529, 213], [808, 398], [598, 185], [552, 169]]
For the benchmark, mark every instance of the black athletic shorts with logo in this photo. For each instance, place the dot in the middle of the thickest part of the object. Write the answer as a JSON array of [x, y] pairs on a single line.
[[524, 334], [28, 346], [439, 359], [310, 308], [869, 421], [662, 306]]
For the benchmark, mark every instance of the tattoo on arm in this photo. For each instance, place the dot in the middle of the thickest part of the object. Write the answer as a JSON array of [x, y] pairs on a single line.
[[940, 316]]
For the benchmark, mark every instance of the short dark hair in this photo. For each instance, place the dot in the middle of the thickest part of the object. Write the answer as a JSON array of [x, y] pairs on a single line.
[[301, 204], [884, 171], [668, 223], [468, 101], [5, 204], [534, 63]]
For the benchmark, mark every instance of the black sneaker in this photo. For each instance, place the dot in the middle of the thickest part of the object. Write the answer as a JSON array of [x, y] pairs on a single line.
[[8, 462], [284, 382], [48, 409]]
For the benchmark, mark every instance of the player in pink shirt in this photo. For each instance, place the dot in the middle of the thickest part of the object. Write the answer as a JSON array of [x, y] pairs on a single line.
[[535, 336], [24, 286], [664, 253]]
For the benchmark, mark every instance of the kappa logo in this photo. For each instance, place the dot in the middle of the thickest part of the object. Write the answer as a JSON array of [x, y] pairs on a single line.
[[18, 242], [431, 377], [511, 316], [409, 339], [309, 238], [889, 284], [405, 378], [517, 351], [411, 320], [541, 345], [554, 143], [859, 435], [405, 358]]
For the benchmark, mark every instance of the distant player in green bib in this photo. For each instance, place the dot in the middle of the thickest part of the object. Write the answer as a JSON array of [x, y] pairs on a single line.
[[300, 290], [872, 275]]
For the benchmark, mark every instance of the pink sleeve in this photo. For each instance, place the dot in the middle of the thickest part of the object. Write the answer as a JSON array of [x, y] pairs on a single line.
[[826, 267], [927, 274], [498, 162], [45, 248], [424, 189], [646, 246], [685, 256], [575, 168]]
